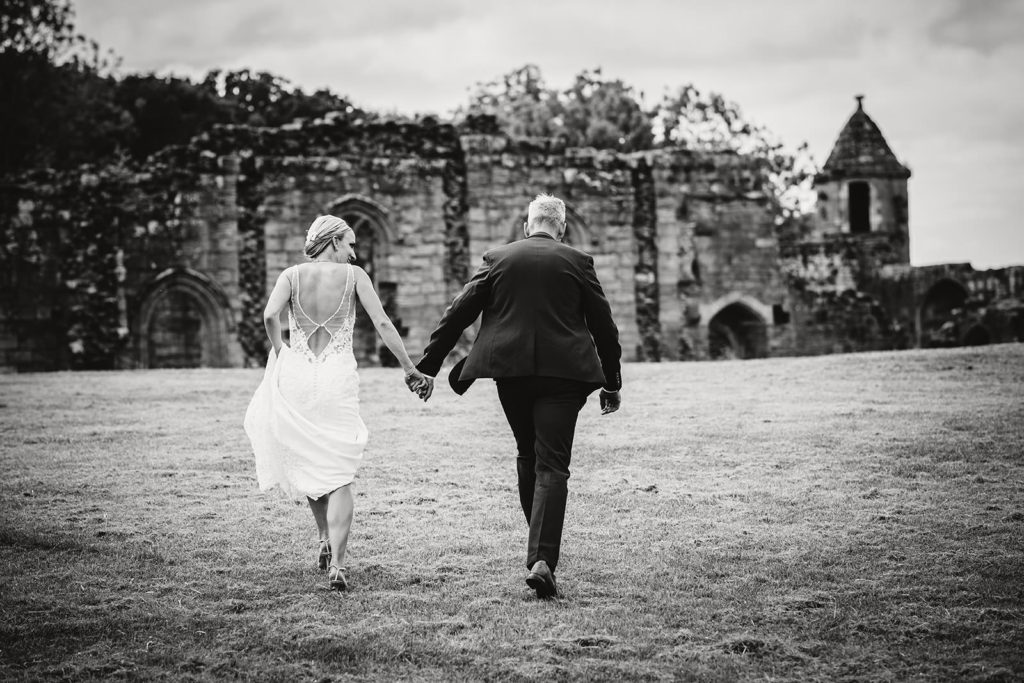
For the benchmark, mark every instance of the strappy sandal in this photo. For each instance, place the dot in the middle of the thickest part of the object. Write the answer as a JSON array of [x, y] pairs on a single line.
[[323, 557], [336, 578]]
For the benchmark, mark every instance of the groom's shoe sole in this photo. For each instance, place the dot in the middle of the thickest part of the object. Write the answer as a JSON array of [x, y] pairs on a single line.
[[542, 580]]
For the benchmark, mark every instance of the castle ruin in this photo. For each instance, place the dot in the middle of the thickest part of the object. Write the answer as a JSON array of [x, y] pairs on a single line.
[[169, 265]]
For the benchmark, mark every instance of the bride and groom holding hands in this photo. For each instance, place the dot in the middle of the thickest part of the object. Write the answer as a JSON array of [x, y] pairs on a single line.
[[547, 338]]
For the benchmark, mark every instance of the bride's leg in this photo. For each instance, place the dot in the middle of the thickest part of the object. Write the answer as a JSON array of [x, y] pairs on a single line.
[[339, 521], [319, 508]]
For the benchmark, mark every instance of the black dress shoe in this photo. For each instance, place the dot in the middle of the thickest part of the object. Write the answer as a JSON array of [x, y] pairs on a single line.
[[542, 580]]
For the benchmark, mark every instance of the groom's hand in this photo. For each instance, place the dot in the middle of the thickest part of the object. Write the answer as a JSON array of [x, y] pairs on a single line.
[[427, 389], [610, 401], [420, 384]]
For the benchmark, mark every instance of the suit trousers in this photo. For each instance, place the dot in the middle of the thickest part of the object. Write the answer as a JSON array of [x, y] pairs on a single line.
[[542, 413]]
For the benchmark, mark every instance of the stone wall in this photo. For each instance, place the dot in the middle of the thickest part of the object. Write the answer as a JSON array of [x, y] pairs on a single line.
[[171, 263], [503, 176], [83, 252], [718, 253]]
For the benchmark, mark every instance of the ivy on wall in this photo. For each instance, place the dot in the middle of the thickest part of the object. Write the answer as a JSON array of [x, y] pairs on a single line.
[[88, 239], [252, 259], [645, 235], [456, 230]]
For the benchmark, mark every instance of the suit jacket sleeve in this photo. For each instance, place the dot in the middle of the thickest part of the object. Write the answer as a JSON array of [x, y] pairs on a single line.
[[463, 310], [602, 327]]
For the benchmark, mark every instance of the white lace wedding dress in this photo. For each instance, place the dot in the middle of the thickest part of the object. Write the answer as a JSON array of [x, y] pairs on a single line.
[[303, 421]]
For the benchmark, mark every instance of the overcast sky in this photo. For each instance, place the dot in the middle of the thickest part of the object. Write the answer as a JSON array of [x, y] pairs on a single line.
[[944, 79]]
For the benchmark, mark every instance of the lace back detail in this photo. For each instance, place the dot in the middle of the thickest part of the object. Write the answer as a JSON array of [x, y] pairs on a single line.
[[340, 334]]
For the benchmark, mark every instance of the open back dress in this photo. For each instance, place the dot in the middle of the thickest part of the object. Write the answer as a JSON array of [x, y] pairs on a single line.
[[303, 421]]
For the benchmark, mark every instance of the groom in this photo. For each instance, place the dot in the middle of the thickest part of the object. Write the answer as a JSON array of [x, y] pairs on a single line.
[[548, 340]]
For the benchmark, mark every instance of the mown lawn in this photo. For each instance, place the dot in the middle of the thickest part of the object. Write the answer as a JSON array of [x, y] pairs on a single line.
[[855, 517]]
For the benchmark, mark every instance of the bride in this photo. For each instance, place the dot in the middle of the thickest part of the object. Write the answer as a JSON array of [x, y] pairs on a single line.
[[303, 420]]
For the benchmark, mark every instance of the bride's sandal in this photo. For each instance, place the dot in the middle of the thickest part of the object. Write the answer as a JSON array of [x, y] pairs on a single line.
[[336, 578], [323, 557]]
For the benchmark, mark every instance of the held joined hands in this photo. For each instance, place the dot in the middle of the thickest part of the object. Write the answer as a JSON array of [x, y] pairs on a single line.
[[420, 384]]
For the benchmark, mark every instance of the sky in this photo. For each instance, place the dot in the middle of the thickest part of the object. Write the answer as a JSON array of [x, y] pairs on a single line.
[[943, 79]]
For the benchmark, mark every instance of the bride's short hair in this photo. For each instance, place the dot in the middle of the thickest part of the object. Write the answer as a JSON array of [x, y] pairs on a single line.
[[321, 232]]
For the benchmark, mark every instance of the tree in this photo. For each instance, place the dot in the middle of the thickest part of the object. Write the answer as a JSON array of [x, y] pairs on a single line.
[[167, 111], [708, 122], [43, 28], [520, 102], [56, 93], [263, 99], [605, 114], [608, 114], [593, 112]]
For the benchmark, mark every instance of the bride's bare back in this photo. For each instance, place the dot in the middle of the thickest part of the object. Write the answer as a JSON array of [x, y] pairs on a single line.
[[321, 301]]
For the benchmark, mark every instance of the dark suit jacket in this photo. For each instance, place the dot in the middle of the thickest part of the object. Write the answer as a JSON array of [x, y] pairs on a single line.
[[544, 315]]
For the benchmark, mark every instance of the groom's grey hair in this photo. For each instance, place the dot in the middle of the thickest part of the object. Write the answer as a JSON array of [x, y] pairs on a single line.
[[548, 210]]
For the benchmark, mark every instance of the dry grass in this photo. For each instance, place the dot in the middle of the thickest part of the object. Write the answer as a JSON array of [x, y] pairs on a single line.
[[839, 518]]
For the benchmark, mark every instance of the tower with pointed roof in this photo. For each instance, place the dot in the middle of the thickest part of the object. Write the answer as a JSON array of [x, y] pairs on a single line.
[[862, 188]]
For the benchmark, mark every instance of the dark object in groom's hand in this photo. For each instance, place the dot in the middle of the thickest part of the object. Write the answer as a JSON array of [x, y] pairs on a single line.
[[610, 401], [459, 386]]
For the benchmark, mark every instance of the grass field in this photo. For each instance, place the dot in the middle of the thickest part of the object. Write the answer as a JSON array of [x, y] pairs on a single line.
[[856, 517]]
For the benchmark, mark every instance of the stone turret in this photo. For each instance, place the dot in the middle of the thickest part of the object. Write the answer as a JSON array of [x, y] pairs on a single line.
[[862, 188]]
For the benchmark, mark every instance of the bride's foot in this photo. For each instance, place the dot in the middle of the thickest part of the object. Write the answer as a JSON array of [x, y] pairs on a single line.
[[323, 557], [336, 578]]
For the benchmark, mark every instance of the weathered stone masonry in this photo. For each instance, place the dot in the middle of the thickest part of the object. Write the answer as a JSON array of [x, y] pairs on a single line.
[[170, 264]]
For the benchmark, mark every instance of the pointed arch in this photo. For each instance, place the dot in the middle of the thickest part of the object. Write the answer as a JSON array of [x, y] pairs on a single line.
[[183, 320], [362, 212], [737, 331]]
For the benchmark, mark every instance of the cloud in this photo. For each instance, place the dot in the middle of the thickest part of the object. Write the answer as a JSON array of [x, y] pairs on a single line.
[[942, 77], [984, 26]]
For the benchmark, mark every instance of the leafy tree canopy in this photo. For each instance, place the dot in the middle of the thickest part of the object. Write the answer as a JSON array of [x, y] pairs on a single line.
[[592, 112], [61, 104], [608, 114]]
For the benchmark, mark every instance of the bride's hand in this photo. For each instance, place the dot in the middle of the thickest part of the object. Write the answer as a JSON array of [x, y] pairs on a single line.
[[420, 384]]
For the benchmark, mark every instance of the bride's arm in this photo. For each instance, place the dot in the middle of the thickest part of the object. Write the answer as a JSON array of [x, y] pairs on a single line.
[[272, 313], [385, 328]]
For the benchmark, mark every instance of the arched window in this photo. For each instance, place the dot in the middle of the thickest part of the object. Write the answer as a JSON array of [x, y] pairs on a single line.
[[374, 235], [859, 207]]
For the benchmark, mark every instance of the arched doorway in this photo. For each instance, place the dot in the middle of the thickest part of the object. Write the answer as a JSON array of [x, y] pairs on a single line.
[[940, 315], [374, 235], [737, 331], [183, 322], [175, 332]]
